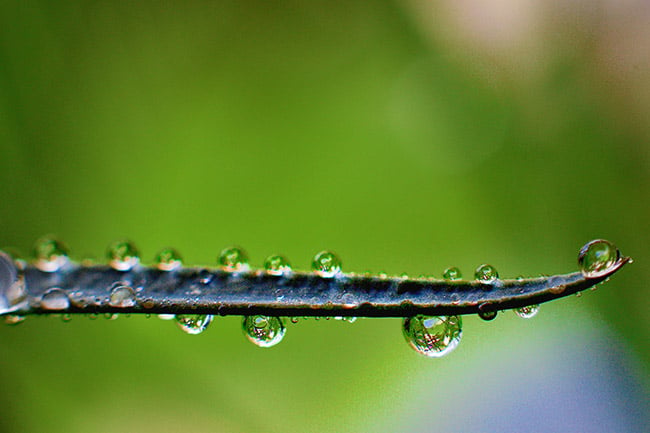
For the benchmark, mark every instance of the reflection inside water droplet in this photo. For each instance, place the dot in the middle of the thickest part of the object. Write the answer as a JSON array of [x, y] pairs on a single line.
[[527, 312], [327, 264], [55, 299], [168, 260], [123, 256], [433, 336], [51, 255], [263, 331], [193, 324], [122, 296], [597, 258]]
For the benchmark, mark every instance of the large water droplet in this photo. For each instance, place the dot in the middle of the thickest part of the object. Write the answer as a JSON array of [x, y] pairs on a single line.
[[168, 260], [263, 331], [277, 265], [234, 259], [452, 274], [597, 258], [433, 336], [193, 324], [55, 299], [51, 255], [326, 264], [123, 256], [527, 312], [122, 296], [486, 274]]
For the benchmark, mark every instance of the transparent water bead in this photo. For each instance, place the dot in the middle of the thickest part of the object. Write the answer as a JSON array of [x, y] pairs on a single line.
[[12, 288], [597, 258], [452, 274], [263, 331], [11, 319], [327, 264], [123, 256], [486, 274], [433, 336], [487, 315], [234, 259], [527, 312], [55, 299], [51, 254], [122, 296], [193, 324], [168, 260], [277, 265]]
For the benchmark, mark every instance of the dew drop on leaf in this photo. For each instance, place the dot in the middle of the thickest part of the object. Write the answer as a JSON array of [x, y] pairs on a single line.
[[193, 324], [527, 312], [277, 265], [486, 274], [168, 260], [123, 256], [263, 331], [55, 299], [326, 264], [452, 274], [597, 258], [51, 254], [234, 259]]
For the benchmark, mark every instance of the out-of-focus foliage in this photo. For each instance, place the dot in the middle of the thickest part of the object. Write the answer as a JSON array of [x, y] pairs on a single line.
[[406, 137]]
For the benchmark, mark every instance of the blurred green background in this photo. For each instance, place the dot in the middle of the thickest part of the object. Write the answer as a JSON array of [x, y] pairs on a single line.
[[406, 136]]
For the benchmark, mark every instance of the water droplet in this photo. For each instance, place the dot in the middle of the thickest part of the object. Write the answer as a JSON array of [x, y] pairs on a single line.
[[234, 260], [486, 274], [277, 265], [295, 319], [452, 274], [13, 319], [326, 264], [193, 324], [433, 336], [51, 255], [55, 299], [597, 258], [263, 331], [12, 287], [349, 319], [122, 297], [166, 316], [123, 256], [527, 312], [66, 318], [487, 315], [93, 316], [168, 260]]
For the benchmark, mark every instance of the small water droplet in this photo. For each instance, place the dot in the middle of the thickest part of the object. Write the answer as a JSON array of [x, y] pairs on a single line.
[[527, 312], [193, 324], [51, 254], [452, 274], [295, 319], [166, 316], [349, 319], [433, 336], [326, 264], [55, 299], [122, 297], [66, 318], [234, 259], [487, 315], [123, 256], [168, 260], [597, 258], [93, 316], [277, 265], [111, 316], [263, 331], [13, 319], [486, 274]]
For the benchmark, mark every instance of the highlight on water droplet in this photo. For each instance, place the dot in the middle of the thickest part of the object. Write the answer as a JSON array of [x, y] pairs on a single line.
[[433, 336], [234, 259], [122, 296], [277, 265], [55, 299], [193, 324], [123, 255], [597, 258], [527, 312], [168, 260], [486, 274], [51, 254], [327, 264], [167, 316], [452, 274], [263, 331]]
